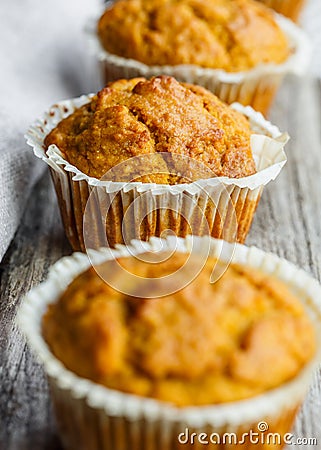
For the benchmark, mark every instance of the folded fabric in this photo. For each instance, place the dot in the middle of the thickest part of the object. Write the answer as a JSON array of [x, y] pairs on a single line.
[[43, 56]]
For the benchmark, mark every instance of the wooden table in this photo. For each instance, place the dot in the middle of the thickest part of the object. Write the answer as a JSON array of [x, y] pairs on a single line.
[[287, 222]]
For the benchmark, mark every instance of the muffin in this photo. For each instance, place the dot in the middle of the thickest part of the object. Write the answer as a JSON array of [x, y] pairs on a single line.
[[146, 156], [156, 117], [238, 49], [128, 371], [289, 8], [250, 333], [231, 35]]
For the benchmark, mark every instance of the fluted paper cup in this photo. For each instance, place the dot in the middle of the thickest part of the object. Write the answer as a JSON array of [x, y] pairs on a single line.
[[255, 87], [288, 8], [93, 417], [96, 213]]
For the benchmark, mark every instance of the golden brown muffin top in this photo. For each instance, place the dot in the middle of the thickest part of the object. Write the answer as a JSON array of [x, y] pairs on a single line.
[[207, 343], [150, 118], [233, 35]]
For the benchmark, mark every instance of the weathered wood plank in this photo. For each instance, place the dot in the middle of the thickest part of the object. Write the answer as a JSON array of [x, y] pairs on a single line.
[[287, 222], [25, 413]]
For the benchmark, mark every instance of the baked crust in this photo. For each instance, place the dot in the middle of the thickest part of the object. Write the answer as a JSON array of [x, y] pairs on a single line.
[[201, 136], [207, 343], [233, 35]]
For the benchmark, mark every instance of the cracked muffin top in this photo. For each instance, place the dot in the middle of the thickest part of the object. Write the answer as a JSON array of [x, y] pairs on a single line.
[[180, 133], [207, 343], [233, 35]]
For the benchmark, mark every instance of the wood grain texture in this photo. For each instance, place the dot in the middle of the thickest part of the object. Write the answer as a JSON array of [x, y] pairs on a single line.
[[288, 219], [288, 222], [26, 420]]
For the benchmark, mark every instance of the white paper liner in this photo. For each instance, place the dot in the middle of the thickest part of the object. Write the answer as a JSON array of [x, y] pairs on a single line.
[[255, 87], [140, 411], [74, 187]]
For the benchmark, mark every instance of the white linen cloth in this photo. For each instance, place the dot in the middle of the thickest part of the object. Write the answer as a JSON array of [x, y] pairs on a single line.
[[43, 59]]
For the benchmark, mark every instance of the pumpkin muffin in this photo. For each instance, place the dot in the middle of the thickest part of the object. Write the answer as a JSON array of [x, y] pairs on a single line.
[[154, 119], [205, 344], [234, 35], [238, 49], [143, 158]]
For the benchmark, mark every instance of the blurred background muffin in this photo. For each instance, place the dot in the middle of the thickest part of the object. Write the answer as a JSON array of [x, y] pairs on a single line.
[[232, 35], [144, 157], [238, 49]]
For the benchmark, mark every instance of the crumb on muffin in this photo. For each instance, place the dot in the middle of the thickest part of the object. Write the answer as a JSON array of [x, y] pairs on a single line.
[[234, 35], [207, 343], [201, 136]]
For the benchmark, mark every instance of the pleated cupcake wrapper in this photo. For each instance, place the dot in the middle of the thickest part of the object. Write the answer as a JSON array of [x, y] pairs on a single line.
[[255, 87], [289, 8], [92, 417], [221, 207]]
